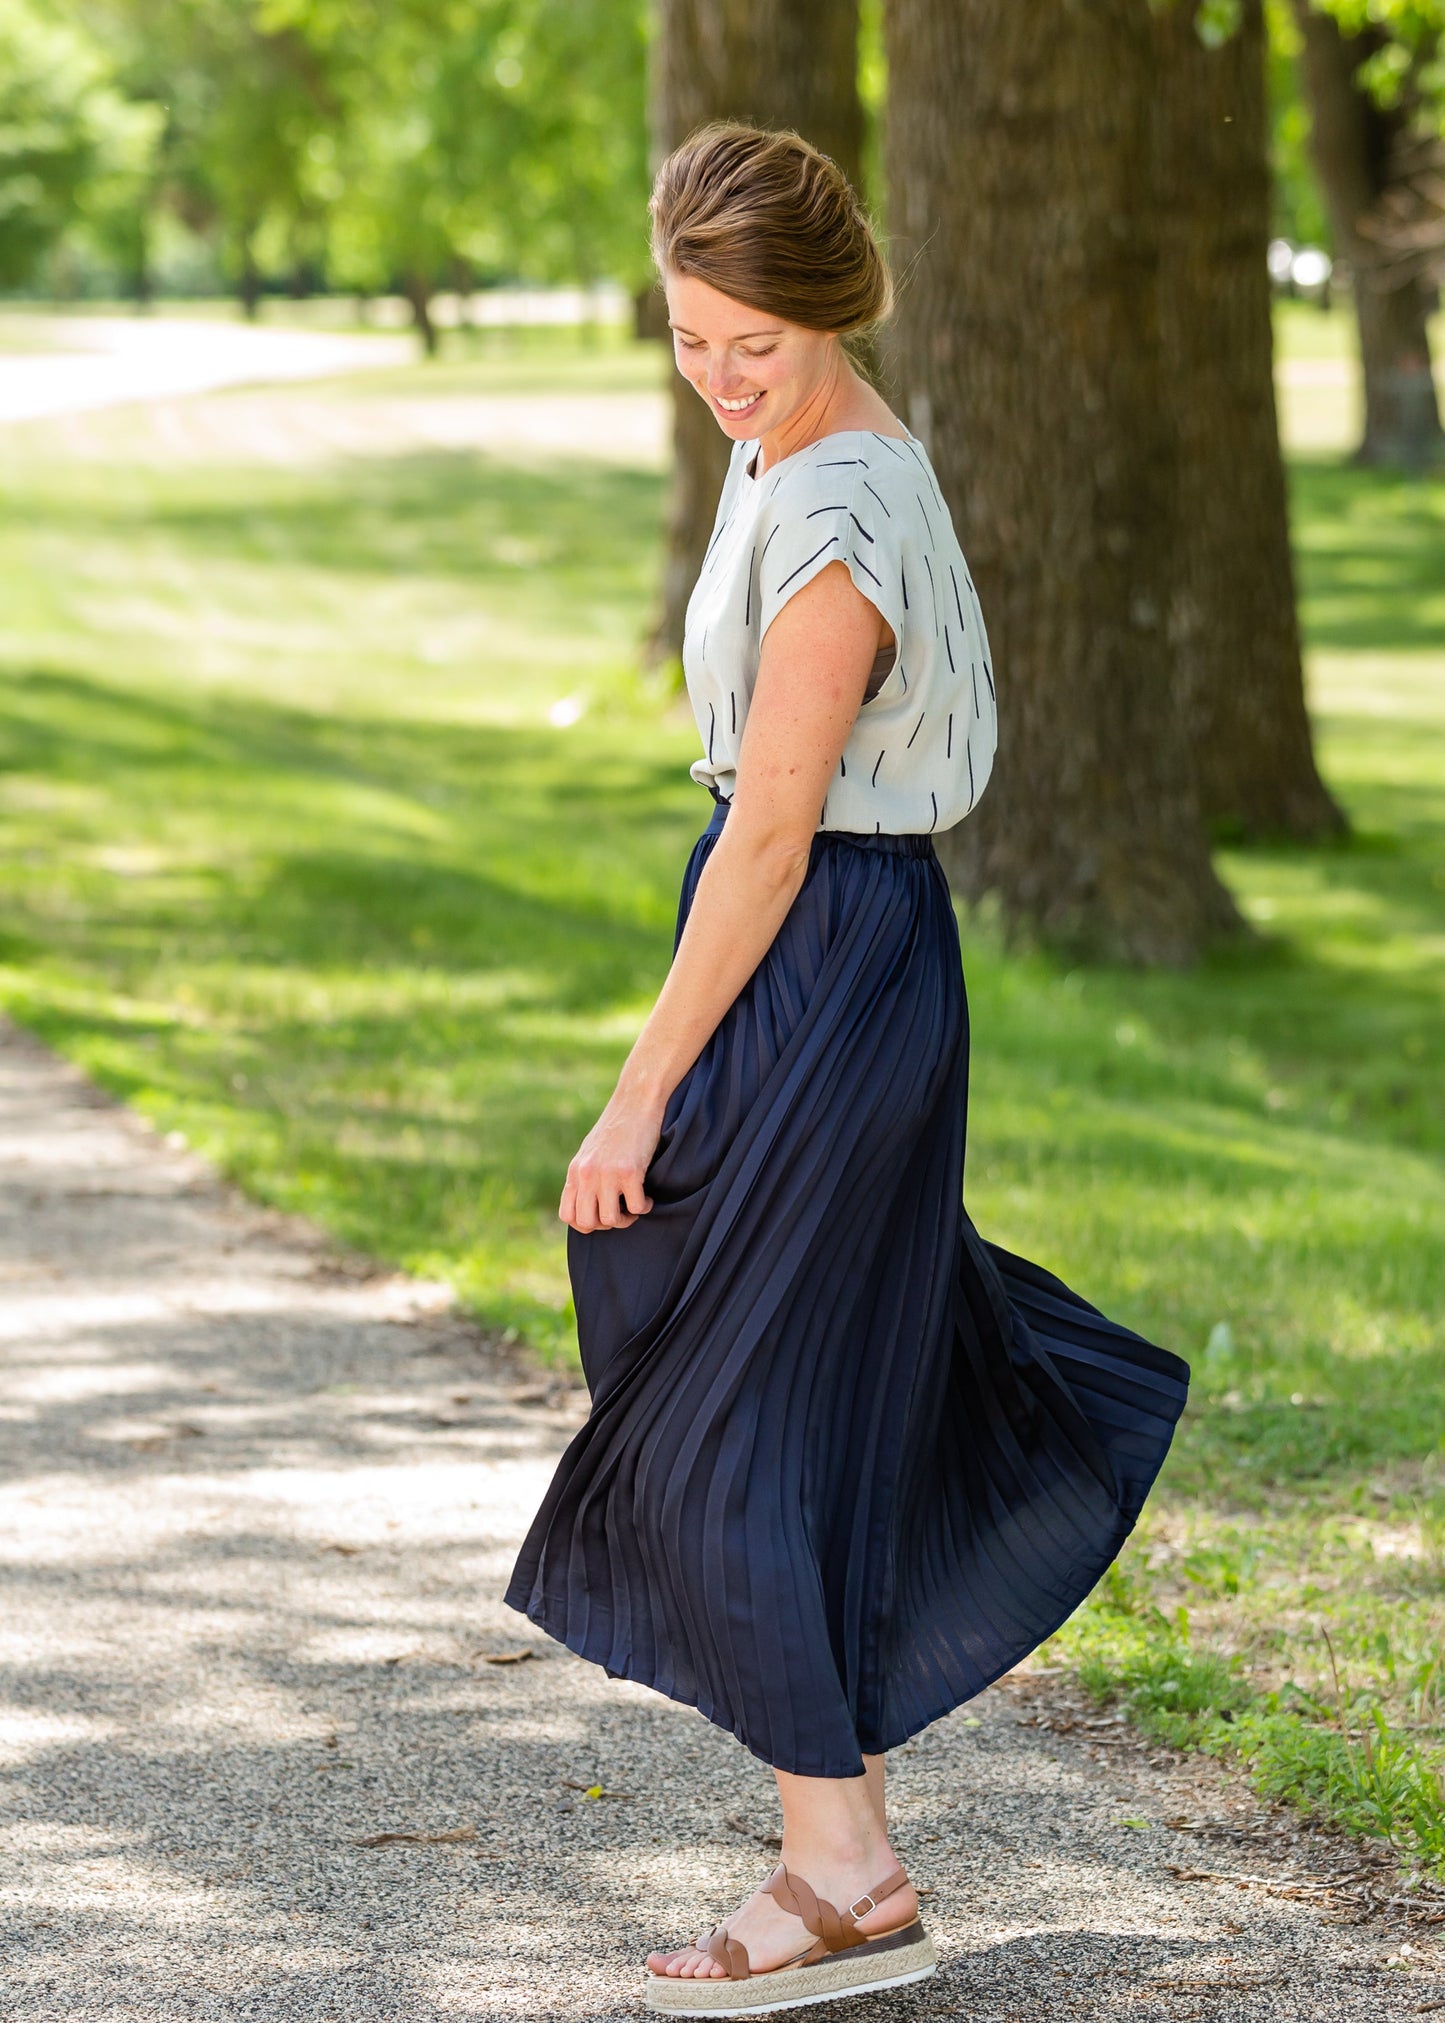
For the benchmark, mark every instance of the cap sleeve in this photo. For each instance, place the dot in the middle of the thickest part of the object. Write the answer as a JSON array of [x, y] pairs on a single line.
[[821, 513]]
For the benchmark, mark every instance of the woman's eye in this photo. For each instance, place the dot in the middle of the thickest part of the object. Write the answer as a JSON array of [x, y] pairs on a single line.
[[699, 344]]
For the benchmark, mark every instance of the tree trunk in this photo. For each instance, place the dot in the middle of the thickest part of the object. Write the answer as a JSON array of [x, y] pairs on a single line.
[[1354, 145], [133, 249], [649, 313], [249, 286], [794, 65], [1402, 408], [1027, 354], [418, 294], [1231, 621]]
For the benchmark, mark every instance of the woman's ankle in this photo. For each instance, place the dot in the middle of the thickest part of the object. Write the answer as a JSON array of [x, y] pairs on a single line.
[[838, 1856], [832, 1833]]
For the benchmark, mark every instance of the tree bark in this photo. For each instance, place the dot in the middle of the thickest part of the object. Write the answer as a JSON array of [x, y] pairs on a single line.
[[793, 65], [1354, 145], [649, 313], [1231, 617], [418, 294], [1027, 355], [142, 280], [248, 287]]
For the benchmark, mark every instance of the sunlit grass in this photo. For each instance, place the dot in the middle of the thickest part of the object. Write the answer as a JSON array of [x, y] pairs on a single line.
[[295, 858], [1283, 1600], [300, 862]]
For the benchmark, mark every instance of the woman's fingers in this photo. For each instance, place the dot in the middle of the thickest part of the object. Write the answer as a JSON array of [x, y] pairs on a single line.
[[592, 1215], [605, 1198], [614, 1185], [632, 1193], [604, 1187]]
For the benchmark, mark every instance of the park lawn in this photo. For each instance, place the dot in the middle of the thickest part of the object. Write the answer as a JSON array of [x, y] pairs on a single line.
[[308, 853]]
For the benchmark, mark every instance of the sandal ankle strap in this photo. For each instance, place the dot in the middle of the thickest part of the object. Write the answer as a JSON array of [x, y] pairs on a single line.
[[871, 1899], [835, 1930]]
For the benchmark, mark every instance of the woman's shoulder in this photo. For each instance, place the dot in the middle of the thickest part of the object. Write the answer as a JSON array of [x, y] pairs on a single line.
[[886, 475], [899, 467], [826, 475], [840, 449], [818, 505]]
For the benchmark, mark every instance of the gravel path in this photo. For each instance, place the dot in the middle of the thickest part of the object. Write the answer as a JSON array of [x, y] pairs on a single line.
[[258, 1506], [103, 361]]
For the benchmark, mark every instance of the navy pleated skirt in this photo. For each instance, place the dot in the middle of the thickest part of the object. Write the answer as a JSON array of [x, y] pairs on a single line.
[[846, 1463]]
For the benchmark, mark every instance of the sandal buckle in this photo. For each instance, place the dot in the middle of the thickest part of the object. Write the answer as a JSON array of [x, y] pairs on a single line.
[[853, 1910]]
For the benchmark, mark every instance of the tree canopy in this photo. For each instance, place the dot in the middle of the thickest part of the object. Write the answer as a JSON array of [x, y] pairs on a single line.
[[72, 145], [362, 144]]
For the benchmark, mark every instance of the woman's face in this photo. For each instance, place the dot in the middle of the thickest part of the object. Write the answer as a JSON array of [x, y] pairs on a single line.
[[753, 369]]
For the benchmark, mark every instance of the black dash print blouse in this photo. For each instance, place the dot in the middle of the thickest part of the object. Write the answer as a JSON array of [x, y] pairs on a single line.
[[923, 744]]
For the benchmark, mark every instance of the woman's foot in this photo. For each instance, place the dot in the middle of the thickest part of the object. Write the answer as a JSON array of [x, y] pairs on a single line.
[[774, 1936]]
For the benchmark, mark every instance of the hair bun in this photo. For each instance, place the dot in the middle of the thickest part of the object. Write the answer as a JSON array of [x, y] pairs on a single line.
[[767, 218]]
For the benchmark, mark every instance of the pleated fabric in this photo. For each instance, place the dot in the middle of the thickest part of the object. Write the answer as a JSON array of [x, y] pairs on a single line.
[[846, 1463]]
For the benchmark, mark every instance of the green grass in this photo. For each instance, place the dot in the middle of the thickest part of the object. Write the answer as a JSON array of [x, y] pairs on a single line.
[[294, 858]]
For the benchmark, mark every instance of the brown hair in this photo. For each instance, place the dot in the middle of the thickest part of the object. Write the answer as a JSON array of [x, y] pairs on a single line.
[[770, 220]]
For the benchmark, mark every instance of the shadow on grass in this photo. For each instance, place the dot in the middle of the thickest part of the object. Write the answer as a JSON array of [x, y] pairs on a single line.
[[481, 520], [1371, 551], [385, 970]]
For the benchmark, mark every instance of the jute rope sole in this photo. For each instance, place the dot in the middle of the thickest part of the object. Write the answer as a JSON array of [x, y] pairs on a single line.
[[862, 1970]]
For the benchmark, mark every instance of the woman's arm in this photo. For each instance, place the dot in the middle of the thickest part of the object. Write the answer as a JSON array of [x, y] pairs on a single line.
[[815, 662]]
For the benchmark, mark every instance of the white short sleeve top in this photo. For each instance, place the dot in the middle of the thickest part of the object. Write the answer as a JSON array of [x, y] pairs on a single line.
[[922, 747]]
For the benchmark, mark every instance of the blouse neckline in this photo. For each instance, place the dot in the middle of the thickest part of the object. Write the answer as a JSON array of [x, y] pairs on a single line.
[[832, 435]]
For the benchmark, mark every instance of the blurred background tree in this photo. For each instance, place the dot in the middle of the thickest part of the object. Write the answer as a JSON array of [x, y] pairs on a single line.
[[1231, 622], [74, 148], [343, 144], [1373, 72], [484, 139], [1084, 335], [1297, 211], [239, 100]]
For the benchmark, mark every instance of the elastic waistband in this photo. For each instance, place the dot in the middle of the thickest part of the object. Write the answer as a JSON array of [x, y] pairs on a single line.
[[893, 845]]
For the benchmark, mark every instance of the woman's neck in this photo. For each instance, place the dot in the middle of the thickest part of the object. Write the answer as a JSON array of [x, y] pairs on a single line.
[[842, 400]]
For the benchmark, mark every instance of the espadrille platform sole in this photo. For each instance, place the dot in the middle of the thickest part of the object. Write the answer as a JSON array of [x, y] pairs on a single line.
[[890, 1962]]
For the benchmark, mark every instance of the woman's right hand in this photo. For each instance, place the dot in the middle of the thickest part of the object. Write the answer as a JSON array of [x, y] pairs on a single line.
[[604, 1187]]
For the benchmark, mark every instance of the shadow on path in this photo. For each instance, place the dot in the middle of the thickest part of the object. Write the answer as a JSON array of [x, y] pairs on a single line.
[[258, 1505]]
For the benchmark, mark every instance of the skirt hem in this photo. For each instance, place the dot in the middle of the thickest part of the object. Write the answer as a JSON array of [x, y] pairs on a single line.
[[578, 1647]]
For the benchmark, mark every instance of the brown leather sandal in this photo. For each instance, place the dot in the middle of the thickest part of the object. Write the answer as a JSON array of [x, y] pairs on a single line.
[[838, 1960]]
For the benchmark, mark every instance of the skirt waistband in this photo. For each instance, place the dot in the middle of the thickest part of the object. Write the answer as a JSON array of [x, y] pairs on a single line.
[[911, 845]]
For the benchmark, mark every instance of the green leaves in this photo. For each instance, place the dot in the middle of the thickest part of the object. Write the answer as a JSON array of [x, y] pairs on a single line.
[[410, 146], [69, 142], [504, 136], [1406, 61]]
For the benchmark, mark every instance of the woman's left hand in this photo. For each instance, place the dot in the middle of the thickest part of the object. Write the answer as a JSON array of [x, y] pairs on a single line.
[[604, 1181]]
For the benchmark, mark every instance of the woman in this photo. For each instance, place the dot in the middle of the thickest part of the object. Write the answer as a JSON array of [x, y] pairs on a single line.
[[845, 1462]]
